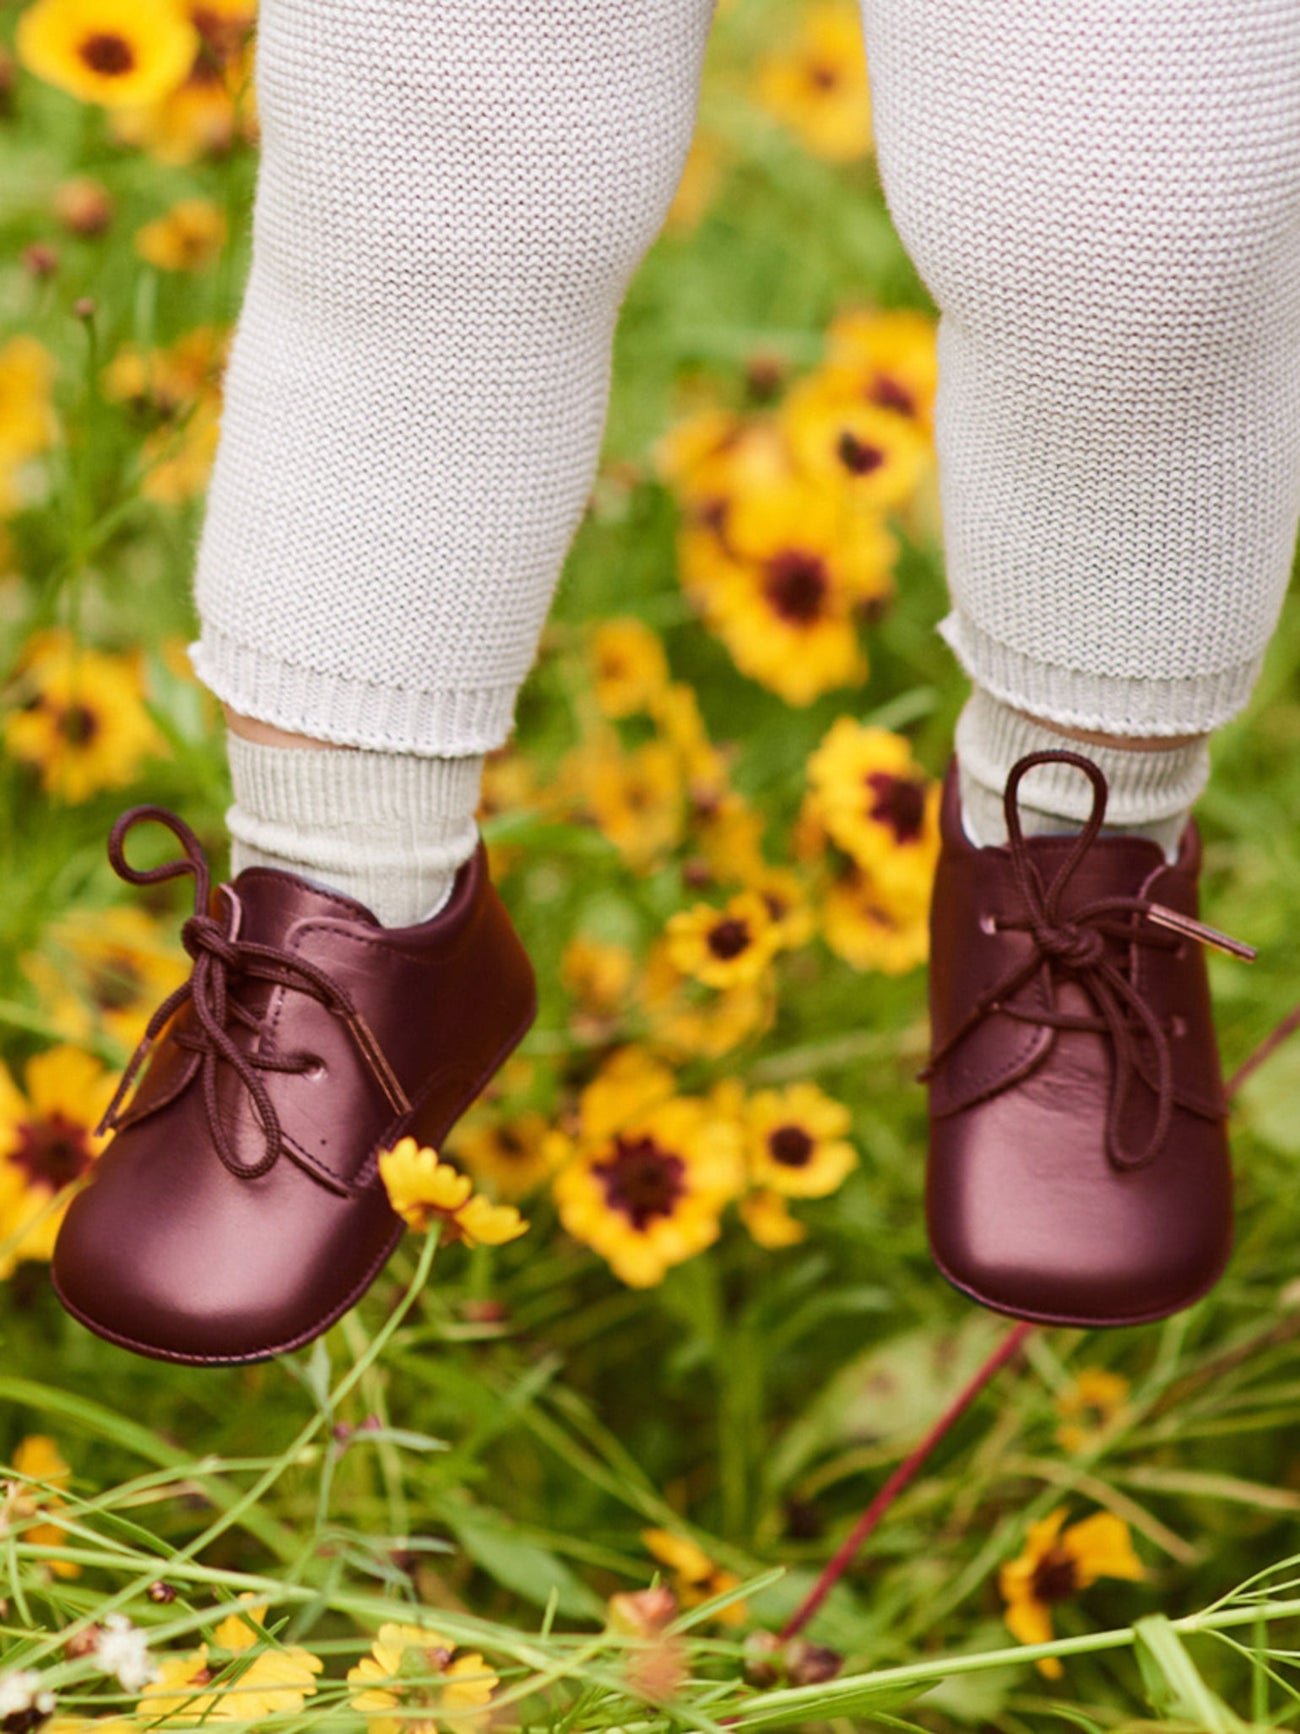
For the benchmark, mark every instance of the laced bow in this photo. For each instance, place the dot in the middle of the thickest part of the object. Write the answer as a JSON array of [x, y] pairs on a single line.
[[1075, 946], [219, 958]]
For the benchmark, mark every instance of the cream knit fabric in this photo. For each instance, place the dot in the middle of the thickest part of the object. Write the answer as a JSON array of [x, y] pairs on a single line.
[[389, 829], [1103, 195], [453, 197], [1104, 198]]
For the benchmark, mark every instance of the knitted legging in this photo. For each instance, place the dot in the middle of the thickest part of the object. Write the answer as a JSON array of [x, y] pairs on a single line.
[[1103, 197]]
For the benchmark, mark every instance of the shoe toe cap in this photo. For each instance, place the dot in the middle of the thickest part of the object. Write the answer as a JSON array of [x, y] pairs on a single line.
[[1037, 1222], [229, 1270]]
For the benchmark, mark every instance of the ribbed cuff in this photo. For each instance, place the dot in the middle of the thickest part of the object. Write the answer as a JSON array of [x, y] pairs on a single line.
[[1109, 704], [341, 812], [1146, 787], [447, 723]]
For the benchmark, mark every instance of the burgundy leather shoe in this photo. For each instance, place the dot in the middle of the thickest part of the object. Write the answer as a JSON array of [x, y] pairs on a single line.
[[1079, 1169], [238, 1211]]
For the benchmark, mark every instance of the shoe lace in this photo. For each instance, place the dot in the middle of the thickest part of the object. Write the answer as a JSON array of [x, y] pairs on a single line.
[[1075, 946], [219, 960]]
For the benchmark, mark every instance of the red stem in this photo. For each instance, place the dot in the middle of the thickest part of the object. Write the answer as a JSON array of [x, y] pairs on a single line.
[[842, 1558], [1010, 1345], [1266, 1049]]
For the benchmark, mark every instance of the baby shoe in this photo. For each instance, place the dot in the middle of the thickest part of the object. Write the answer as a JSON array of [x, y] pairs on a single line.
[[1078, 1169], [237, 1211]]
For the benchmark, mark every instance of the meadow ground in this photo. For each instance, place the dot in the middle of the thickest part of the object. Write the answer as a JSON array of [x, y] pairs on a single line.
[[572, 1480]]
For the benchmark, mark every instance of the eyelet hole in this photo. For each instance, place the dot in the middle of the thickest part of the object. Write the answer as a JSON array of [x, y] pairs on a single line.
[[314, 1067], [988, 923], [1177, 1026]]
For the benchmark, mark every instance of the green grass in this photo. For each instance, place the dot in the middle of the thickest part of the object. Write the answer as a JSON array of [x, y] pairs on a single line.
[[497, 1475]]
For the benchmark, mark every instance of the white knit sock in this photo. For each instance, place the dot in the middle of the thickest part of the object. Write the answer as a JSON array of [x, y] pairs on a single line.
[[452, 199], [389, 829], [1151, 793], [1104, 199]]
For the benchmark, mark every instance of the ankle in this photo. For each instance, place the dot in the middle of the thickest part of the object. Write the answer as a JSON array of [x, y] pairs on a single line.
[[390, 830], [1152, 789]]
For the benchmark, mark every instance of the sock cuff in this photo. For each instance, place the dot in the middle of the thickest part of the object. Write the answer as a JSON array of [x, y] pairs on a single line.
[[331, 808], [1145, 786]]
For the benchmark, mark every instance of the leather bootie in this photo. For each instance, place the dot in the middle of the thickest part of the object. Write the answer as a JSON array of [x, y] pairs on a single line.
[[1078, 1170], [238, 1210]]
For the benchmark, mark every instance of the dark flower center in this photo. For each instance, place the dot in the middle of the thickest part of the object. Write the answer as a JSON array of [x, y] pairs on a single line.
[[78, 725], [790, 1146], [641, 1180], [728, 939], [54, 1150], [898, 802], [823, 77], [509, 1143], [858, 458], [108, 54], [1056, 1577], [887, 393], [796, 586], [24, 1721]]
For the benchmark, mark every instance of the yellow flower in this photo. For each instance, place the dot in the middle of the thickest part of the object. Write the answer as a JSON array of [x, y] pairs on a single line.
[[767, 1217], [629, 1083], [423, 1190], [818, 86], [877, 805], [796, 1141], [178, 460], [650, 1195], [799, 568], [277, 1682], [37, 1458], [840, 441], [118, 53], [412, 1677], [510, 1155], [105, 970], [698, 186], [26, 411], [167, 381], [46, 1143], [892, 357], [728, 835], [727, 947], [1088, 1405], [788, 906], [186, 238], [1056, 1564], [213, 105], [26, 408], [676, 712], [80, 717], [240, 1631], [180, 1694], [634, 797], [715, 456], [871, 929], [190, 1688], [597, 975], [697, 1577], [630, 667], [687, 1021]]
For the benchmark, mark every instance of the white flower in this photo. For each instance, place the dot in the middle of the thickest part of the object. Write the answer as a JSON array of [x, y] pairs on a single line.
[[21, 1691], [123, 1650]]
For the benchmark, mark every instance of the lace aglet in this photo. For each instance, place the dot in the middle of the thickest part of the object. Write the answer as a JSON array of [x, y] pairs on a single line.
[[1198, 930]]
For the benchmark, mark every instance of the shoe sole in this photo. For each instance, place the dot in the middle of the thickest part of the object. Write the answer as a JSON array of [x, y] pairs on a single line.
[[251, 1356], [1077, 1321]]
